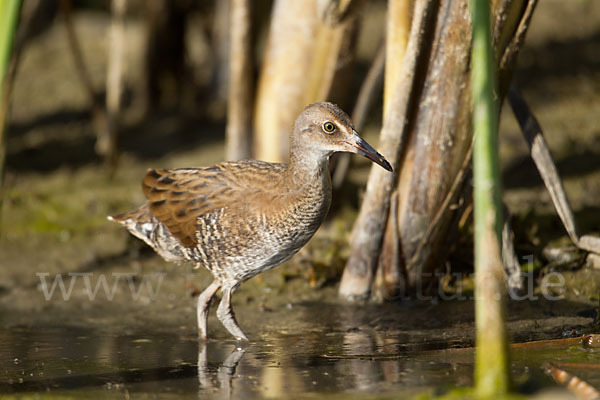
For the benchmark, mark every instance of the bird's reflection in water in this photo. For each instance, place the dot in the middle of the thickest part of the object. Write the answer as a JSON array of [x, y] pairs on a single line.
[[219, 380]]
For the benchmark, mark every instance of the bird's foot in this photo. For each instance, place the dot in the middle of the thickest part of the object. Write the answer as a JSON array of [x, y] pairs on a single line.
[[203, 306], [232, 327], [227, 317]]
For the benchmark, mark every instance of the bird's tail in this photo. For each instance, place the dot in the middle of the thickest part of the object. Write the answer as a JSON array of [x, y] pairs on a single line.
[[143, 225], [140, 222]]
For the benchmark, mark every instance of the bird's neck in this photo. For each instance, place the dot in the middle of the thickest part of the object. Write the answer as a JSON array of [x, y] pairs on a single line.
[[307, 168], [308, 176]]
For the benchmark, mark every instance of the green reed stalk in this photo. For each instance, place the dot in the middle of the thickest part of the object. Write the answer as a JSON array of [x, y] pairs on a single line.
[[9, 15], [492, 377]]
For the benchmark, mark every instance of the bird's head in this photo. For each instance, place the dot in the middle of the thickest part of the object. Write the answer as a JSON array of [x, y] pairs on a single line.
[[323, 128]]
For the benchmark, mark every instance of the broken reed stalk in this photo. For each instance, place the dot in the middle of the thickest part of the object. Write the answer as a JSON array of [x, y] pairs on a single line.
[[369, 226], [540, 153], [99, 118], [283, 76], [238, 135], [542, 158], [305, 42], [114, 82], [9, 15], [491, 360], [371, 85], [397, 31], [581, 389]]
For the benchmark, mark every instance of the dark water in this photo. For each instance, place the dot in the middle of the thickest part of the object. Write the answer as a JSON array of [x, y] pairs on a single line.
[[318, 360], [78, 362]]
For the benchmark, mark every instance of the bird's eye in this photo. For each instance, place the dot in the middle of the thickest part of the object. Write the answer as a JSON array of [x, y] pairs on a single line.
[[328, 127]]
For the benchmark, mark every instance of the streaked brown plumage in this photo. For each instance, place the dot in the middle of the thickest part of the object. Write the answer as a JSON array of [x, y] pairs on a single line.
[[239, 219]]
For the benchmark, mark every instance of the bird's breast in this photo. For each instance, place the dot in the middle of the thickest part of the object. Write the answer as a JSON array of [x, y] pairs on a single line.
[[261, 230], [296, 223]]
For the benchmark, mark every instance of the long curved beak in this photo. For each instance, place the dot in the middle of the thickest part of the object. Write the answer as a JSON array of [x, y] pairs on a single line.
[[358, 145]]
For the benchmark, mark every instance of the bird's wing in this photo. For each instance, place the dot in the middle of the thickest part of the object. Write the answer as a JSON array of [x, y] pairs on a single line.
[[178, 197]]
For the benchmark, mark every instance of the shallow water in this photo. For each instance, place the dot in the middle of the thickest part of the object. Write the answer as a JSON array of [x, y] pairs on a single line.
[[340, 362], [80, 362]]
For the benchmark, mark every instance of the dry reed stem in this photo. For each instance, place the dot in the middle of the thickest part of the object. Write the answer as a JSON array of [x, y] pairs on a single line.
[[239, 102]]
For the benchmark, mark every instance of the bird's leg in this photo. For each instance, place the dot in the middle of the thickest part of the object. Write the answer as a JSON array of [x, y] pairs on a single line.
[[203, 305], [226, 316]]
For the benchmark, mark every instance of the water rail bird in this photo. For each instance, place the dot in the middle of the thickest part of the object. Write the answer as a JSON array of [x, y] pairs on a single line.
[[241, 218]]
